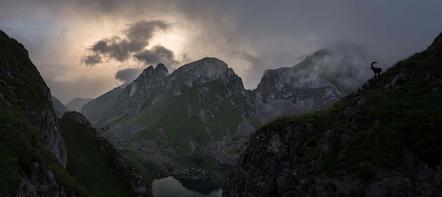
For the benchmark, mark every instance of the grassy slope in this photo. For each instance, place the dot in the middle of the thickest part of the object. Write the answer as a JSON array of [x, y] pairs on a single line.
[[406, 118], [183, 112], [179, 119], [89, 164]]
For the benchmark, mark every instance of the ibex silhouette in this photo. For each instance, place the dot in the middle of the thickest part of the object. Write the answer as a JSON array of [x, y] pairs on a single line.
[[376, 70]]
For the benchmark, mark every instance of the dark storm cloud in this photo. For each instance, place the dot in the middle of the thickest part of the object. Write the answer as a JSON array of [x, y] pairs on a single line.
[[127, 75], [92, 59], [135, 39], [158, 54]]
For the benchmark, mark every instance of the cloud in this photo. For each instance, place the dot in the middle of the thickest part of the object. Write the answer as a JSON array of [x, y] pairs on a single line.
[[275, 34], [92, 59], [135, 39], [345, 64], [127, 75], [158, 54]]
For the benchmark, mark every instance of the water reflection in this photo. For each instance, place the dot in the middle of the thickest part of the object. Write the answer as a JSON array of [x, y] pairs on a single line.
[[170, 187]]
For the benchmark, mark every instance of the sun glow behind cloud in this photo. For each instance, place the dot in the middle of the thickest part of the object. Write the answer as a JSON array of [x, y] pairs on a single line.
[[173, 39], [82, 38]]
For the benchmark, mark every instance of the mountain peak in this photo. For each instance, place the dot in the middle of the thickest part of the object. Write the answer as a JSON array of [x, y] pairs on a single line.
[[160, 71], [207, 63], [204, 70], [161, 68], [320, 53], [76, 117], [436, 46]]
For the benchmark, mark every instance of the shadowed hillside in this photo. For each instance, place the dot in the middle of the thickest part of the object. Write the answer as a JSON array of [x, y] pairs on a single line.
[[382, 140]]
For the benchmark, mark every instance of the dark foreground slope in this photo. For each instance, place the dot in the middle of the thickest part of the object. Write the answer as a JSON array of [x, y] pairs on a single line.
[[96, 163], [383, 140], [32, 151]]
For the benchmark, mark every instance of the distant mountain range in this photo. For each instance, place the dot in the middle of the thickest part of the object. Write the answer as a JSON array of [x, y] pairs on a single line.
[[197, 119], [58, 107], [77, 103]]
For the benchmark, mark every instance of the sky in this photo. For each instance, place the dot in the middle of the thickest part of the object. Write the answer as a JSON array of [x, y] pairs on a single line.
[[84, 48]]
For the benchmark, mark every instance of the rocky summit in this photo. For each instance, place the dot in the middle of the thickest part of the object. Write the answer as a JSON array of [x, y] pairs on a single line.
[[382, 140]]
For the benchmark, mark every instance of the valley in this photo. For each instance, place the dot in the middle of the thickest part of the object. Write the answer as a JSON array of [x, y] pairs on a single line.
[[220, 99]]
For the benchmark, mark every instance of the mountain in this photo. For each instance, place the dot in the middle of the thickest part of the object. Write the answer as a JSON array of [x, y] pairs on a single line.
[[382, 140], [184, 122], [77, 103], [33, 151], [125, 99], [40, 156], [196, 120], [100, 168], [321, 79], [98, 109], [58, 107]]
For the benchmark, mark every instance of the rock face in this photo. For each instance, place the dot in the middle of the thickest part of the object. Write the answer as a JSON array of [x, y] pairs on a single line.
[[202, 111], [25, 101], [383, 140], [39, 182]]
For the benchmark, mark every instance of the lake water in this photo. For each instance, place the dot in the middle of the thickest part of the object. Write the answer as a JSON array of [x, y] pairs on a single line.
[[171, 187]]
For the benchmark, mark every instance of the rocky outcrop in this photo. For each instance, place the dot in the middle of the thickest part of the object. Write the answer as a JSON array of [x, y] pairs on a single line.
[[382, 140], [145, 86], [52, 135], [203, 71], [77, 118]]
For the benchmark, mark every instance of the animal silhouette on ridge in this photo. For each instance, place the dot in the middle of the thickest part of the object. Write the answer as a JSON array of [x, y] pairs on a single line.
[[376, 70]]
